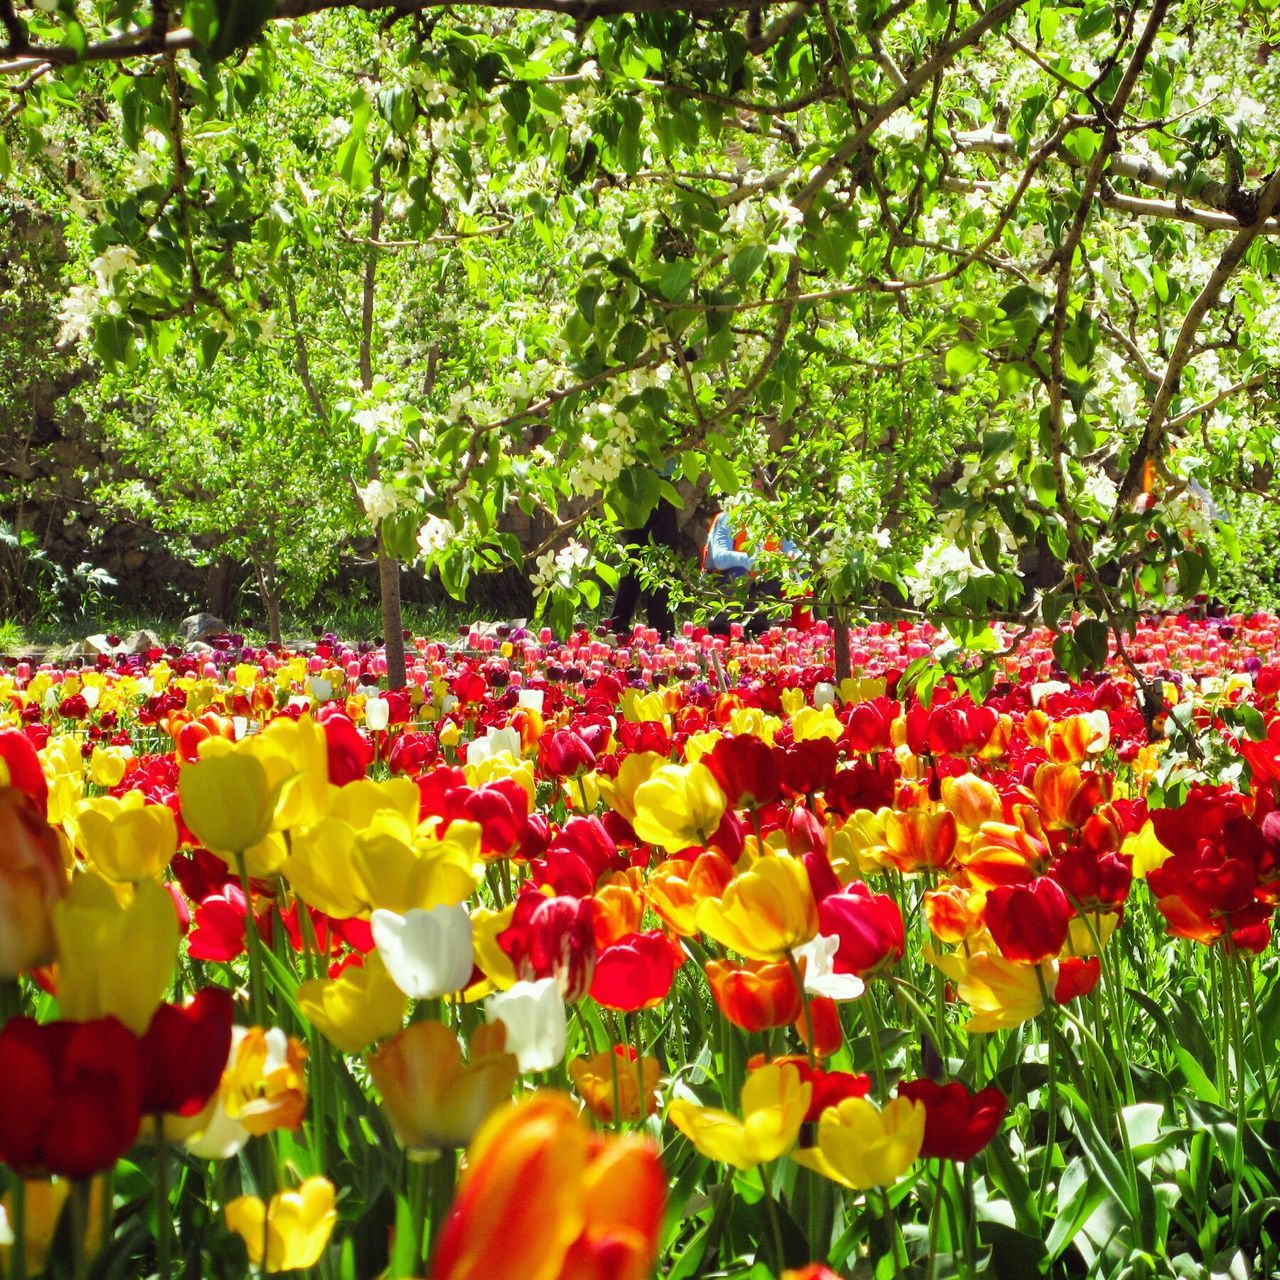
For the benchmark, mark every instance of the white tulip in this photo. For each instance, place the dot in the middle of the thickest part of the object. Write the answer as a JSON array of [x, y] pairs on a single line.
[[530, 699], [820, 977], [428, 954], [536, 1022], [377, 711], [824, 694]]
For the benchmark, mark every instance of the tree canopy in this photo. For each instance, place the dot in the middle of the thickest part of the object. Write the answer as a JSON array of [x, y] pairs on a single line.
[[967, 286]]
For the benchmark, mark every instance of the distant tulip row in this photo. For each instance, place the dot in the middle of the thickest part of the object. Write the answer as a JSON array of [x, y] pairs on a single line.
[[652, 933]]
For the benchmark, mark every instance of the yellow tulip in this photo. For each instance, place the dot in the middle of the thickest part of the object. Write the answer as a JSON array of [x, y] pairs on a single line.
[[42, 1207], [812, 722], [620, 792], [228, 798], [678, 807], [861, 1147], [774, 1102], [295, 1227], [433, 1100], [493, 962], [1146, 851], [114, 959], [107, 766], [126, 839], [765, 911], [356, 1008], [1001, 993]]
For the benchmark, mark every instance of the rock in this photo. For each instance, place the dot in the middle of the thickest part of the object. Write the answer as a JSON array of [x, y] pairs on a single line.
[[140, 641], [199, 646], [200, 626], [89, 647]]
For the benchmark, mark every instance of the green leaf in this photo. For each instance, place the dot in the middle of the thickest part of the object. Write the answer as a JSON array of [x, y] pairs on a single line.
[[746, 262], [674, 282], [963, 359], [1091, 638]]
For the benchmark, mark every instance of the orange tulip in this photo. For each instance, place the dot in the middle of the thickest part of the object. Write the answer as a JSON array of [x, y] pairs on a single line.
[[611, 1074], [919, 839], [676, 886], [1008, 853], [755, 996], [544, 1198]]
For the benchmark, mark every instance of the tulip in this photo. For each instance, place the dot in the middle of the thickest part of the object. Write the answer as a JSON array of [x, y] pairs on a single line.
[[361, 1005], [920, 839], [183, 1051], [636, 972], [263, 1088], [113, 959], [774, 1103], [1028, 923], [746, 770], [676, 886], [755, 996], [543, 1198], [43, 1203], [679, 807], [958, 1123], [860, 1147], [552, 937], [229, 798], [432, 1099], [765, 911], [1001, 993], [72, 1097], [611, 1075], [20, 769], [126, 839], [428, 954], [869, 928], [33, 877], [536, 1022], [620, 792], [294, 1227]]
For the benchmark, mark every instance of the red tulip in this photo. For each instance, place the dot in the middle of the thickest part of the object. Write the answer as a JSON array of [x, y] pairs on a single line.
[[183, 1052], [349, 751], [564, 754], [72, 1096], [1028, 921], [636, 972], [20, 768], [746, 768], [869, 926], [552, 937], [957, 1123]]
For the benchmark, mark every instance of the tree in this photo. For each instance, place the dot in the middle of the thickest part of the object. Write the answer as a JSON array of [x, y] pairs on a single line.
[[662, 230]]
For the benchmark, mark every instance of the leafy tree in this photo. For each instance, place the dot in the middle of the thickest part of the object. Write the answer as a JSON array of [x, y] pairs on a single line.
[[991, 281]]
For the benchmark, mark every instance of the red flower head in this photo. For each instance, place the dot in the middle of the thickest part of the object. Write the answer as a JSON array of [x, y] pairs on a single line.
[[957, 1123], [746, 768], [1028, 921], [1077, 976], [636, 972], [809, 767], [72, 1096], [870, 726], [564, 754], [755, 996], [20, 768], [552, 938], [184, 1051], [349, 752], [869, 926], [1095, 881], [863, 787]]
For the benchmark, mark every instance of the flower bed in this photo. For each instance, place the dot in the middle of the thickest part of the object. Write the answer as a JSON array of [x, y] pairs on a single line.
[[782, 975]]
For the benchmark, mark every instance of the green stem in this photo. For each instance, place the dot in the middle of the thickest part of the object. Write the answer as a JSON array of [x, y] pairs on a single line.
[[935, 1222], [775, 1227], [79, 1210], [257, 989], [18, 1267], [872, 1022], [443, 1176], [164, 1221], [798, 978]]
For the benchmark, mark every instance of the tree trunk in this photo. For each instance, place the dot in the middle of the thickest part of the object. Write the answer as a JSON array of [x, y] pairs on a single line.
[[388, 568], [218, 588], [273, 618], [270, 595], [392, 623], [840, 638]]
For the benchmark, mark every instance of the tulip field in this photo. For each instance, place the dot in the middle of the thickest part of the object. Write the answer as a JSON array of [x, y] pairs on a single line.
[[606, 960]]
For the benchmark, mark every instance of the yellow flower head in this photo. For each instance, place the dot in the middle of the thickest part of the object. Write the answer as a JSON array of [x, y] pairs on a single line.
[[678, 807], [774, 1103], [765, 911], [861, 1147], [114, 958], [125, 839], [295, 1226], [356, 1008]]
